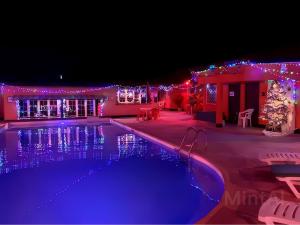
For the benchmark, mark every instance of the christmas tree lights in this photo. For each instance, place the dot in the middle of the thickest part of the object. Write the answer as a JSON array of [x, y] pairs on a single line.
[[276, 109], [279, 108]]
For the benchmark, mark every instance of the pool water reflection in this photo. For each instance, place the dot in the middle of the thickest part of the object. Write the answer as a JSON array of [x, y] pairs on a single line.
[[99, 173]]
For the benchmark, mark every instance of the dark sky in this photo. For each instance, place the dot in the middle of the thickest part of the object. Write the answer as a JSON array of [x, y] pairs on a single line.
[[132, 44]]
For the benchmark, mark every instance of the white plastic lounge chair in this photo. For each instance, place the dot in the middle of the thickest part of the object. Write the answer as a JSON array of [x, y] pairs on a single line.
[[280, 158], [292, 182], [245, 116], [275, 210], [289, 174]]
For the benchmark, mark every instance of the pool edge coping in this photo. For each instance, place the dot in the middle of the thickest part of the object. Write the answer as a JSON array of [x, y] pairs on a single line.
[[36, 123], [3, 127], [199, 158]]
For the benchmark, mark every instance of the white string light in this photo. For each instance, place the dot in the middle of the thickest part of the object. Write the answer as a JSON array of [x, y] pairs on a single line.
[[17, 89], [263, 67]]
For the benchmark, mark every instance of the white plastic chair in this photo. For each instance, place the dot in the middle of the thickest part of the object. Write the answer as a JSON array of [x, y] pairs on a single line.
[[290, 174], [245, 116], [293, 183], [275, 210]]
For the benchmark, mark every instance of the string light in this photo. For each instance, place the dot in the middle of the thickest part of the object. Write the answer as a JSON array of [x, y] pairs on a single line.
[[167, 88], [61, 91], [18, 89], [220, 68], [282, 72]]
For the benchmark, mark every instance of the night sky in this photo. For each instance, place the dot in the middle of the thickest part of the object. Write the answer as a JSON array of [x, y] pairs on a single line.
[[99, 45]]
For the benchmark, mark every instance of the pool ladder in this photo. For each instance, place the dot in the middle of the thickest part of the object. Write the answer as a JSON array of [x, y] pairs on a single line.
[[195, 139]]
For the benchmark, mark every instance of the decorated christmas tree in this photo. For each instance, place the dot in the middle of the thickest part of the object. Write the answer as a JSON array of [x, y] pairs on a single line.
[[276, 108]]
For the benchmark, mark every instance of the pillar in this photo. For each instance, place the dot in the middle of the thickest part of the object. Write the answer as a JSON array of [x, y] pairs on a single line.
[[243, 97], [67, 111], [48, 108], [94, 107], [204, 97], [38, 107], [28, 108], [226, 100], [85, 107], [76, 107], [219, 108], [58, 108], [61, 108]]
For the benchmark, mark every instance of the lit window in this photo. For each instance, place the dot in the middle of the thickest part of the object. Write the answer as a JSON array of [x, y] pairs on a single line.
[[71, 110], [90, 107], [122, 96], [144, 97], [211, 93], [43, 108], [128, 96], [22, 109], [81, 108], [33, 108], [53, 108]]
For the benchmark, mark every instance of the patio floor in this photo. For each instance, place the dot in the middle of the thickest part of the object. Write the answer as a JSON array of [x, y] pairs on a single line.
[[234, 151]]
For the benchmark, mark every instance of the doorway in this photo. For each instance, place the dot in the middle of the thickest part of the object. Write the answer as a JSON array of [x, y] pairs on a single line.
[[234, 102], [252, 100]]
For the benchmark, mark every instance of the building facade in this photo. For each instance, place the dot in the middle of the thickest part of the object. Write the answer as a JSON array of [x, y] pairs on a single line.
[[233, 88], [30, 103]]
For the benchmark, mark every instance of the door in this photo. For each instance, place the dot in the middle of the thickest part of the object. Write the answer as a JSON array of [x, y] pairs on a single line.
[[252, 100], [234, 102], [90, 107], [71, 109], [33, 108]]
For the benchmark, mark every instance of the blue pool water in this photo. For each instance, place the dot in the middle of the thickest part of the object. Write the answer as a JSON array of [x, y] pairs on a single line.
[[99, 173]]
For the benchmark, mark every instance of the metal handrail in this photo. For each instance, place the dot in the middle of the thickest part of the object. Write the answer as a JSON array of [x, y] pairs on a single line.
[[185, 136], [204, 133], [195, 139]]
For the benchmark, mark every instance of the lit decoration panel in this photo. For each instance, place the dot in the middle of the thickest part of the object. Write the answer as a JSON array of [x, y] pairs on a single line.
[[130, 95], [211, 93]]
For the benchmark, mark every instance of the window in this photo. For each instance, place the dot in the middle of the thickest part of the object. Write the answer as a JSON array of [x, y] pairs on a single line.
[[90, 107], [53, 108], [122, 95], [23, 109], [71, 110], [128, 96], [137, 97], [211, 93], [81, 108], [43, 108], [33, 108]]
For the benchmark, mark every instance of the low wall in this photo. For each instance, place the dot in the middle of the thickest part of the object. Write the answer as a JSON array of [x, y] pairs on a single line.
[[206, 116]]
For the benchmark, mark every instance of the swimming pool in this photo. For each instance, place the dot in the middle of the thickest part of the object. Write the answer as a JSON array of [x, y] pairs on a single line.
[[99, 173]]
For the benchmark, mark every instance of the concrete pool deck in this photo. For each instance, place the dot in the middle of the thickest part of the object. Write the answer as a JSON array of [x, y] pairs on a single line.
[[234, 151]]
